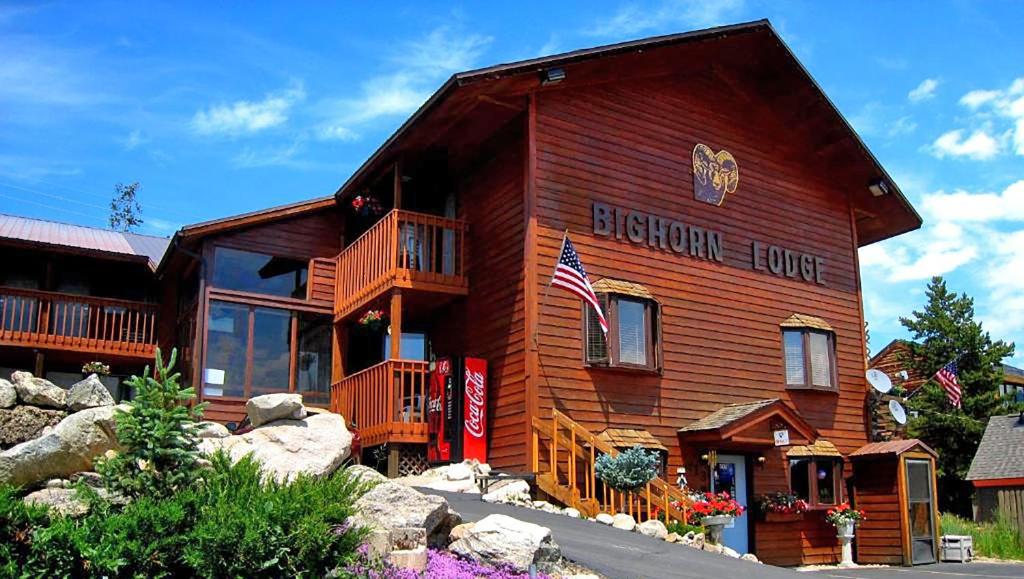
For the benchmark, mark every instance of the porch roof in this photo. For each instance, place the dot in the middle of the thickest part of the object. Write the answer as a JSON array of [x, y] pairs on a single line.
[[628, 438], [894, 447], [727, 424]]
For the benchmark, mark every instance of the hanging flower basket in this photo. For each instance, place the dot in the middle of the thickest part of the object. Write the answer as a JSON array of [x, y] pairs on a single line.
[[372, 319], [95, 368], [781, 507], [366, 206]]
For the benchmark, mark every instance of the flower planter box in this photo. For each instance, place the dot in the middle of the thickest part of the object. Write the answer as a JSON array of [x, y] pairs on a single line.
[[783, 517]]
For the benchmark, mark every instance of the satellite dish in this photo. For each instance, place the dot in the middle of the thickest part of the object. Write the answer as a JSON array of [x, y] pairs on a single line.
[[897, 411], [879, 380]]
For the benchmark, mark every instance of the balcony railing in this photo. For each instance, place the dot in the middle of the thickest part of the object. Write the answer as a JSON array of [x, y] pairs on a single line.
[[403, 250], [40, 319], [387, 402]]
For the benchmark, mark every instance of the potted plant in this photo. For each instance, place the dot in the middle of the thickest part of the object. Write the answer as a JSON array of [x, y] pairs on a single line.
[[781, 507], [98, 368], [372, 319], [715, 511], [845, 518]]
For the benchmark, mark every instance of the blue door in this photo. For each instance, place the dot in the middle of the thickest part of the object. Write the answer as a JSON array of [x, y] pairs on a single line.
[[730, 475]]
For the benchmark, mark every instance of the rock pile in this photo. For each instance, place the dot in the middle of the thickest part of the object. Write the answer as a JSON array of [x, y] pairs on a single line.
[[460, 477], [30, 405]]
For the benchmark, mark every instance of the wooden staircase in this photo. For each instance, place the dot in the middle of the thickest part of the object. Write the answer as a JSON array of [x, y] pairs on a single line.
[[563, 458]]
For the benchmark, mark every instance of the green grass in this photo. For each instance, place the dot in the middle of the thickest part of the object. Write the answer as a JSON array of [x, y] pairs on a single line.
[[999, 540]]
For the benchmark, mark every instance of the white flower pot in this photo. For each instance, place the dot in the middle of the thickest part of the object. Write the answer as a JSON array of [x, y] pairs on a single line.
[[845, 529], [715, 525]]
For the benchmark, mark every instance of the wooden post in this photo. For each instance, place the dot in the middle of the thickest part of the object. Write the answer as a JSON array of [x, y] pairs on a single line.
[[393, 456], [396, 324], [398, 185], [339, 342], [38, 371]]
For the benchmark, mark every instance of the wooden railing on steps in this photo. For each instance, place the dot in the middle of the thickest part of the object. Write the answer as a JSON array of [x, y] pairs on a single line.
[[563, 459]]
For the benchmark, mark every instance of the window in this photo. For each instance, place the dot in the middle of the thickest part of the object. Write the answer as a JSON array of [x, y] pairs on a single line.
[[809, 356], [313, 367], [413, 346], [633, 333], [247, 271], [816, 480]]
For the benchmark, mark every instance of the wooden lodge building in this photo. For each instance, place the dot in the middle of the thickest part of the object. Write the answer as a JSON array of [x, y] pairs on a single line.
[[717, 200]]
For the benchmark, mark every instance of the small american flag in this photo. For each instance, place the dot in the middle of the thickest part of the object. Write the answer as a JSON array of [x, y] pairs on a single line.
[[570, 275], [946, 376]]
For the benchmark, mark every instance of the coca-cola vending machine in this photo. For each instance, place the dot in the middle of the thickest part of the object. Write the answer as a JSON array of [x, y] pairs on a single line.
[[457, 410]]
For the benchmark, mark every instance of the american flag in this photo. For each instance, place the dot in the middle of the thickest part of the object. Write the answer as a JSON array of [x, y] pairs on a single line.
[[570, 275], [946, 376]]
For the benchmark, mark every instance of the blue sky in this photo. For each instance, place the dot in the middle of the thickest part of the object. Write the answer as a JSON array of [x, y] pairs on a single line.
[[221, 108]]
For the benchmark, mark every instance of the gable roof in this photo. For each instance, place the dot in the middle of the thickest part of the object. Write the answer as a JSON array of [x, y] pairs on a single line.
[[501, 87], [893, 447], [729, 421], [93, 241], [1001, 452]]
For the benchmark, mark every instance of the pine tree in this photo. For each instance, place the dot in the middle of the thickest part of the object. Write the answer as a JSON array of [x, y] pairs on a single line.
[[125, 210], [158, 433], [945, 331]]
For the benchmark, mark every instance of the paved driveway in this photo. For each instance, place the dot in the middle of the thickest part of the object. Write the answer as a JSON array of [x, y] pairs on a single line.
[[940, 571], [620, 555]]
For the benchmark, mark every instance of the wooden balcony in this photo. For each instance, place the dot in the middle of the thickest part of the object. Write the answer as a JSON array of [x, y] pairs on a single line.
[[387, 402], [50, 320], [403, 250]]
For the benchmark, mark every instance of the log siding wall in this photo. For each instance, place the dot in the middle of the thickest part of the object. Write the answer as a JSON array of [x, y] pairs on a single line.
[[629, 146]]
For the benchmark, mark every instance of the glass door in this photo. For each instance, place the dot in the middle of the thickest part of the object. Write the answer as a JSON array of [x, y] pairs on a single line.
[[730, 475], [921, 514]]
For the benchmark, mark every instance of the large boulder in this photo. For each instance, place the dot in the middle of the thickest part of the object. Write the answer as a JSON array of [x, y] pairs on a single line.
[[8, 394], [653, 528], [271, 407], [23, 423], [316, 445], [624, 522], [391, 505], [89, 393], [39, 391], [68, 448], [500, 539], [513, 489], [208, 429], [365, 474]]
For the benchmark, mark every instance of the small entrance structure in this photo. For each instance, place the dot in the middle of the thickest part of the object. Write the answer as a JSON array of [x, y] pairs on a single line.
[[894, 483]]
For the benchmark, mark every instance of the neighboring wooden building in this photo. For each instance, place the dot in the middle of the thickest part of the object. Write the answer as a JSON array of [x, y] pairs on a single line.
[[997, 471], [71, 294]]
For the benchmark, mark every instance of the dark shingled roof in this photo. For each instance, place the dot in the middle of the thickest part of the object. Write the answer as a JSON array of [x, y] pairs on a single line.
[[727, 415], [1001, 452]]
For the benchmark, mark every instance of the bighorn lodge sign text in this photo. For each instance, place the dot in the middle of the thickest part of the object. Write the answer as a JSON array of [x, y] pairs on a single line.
[[670, 235]]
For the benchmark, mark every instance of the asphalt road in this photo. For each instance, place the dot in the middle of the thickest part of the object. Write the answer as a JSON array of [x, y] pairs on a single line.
[[620, 555]]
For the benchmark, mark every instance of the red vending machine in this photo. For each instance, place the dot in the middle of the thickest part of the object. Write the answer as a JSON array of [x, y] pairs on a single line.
[[457, 410]]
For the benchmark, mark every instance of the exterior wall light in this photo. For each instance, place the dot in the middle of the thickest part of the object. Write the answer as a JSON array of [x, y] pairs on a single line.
[[552, 76], [879, 188]]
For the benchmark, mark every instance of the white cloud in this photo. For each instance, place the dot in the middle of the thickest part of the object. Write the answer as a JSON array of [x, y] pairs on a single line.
[[935, 250], [336, 133], [247, 117], [979, 145], [977, 98], [1005, 105], [134, 140], [923, 91], [633, 19], [902, 126], [963, 206]]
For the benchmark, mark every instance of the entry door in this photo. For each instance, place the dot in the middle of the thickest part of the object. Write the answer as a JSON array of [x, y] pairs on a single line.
[[921, 514], [730, 475]]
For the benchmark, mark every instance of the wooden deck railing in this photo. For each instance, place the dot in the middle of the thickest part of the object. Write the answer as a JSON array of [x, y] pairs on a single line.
[[406, 250], [564, 454], [387, 402], [40, 319]]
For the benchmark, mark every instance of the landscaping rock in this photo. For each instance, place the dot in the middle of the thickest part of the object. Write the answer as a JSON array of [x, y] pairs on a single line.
[[672, 538], [92, 479], [391, 505], [500, 539], [691, 539], [39, 391], [750, 557], [24, 423], [712, 548], [8, 394], [208, 429], [459, 531], [57, 483], [60, 501], [516, 487], [571, 513], [730, 552], [460, 472], [411, 559], [365, 474], [604, 519], [89, 393], [624, 522], [316, 445], [69, 448], [653, 528], [271, 407]]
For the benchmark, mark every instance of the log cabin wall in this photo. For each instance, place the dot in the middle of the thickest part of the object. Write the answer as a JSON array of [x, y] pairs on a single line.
[[628, 145], [489, 323]]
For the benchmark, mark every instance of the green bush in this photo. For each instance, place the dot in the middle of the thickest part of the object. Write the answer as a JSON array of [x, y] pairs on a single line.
[[233, 524], [158, 432], [628, 470], [999, 539], [681, 529]]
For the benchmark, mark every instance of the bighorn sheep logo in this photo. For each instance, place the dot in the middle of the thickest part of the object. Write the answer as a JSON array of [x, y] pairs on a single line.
[[714, 174]]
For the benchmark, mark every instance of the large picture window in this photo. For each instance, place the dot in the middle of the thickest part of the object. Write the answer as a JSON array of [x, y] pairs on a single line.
[[810, 359], [258, 273], [816, 480], [253, 350], [633, 333]]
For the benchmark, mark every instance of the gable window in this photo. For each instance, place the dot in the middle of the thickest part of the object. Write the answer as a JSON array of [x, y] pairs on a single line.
[[258, 273], [809, 353], [633, 339]]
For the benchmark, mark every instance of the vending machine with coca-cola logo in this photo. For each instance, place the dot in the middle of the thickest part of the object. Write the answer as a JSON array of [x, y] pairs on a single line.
[[457, 410]]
